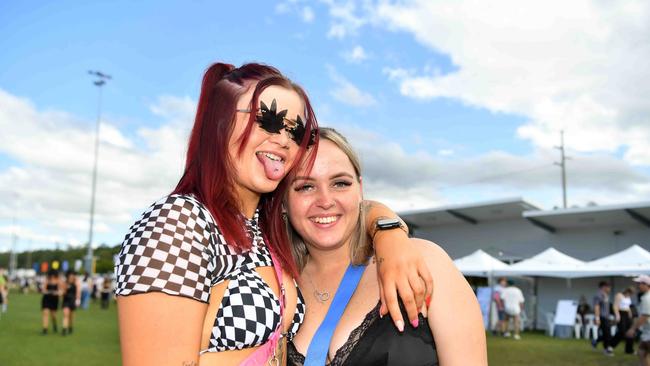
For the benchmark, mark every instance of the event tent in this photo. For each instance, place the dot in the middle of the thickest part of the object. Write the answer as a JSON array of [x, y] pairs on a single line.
[[549, 263], [479, 264], [628, 262]]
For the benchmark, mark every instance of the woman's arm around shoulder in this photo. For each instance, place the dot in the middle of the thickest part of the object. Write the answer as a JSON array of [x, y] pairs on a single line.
[[401, 270], [453, 313]]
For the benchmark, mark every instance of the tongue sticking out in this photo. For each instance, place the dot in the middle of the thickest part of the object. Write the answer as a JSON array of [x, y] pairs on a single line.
[[274, 169]]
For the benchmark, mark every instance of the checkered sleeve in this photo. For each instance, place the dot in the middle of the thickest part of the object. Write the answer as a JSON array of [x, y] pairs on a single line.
[[167, 250]]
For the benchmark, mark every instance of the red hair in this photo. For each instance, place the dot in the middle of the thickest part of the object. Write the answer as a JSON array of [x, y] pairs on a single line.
[[209, 172]]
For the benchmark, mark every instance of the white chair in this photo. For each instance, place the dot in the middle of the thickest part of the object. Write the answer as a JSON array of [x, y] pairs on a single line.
[[591, 329], [577, 327], [550, 323]]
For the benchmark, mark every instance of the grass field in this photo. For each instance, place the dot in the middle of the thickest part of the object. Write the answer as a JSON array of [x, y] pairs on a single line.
[[95, 342]]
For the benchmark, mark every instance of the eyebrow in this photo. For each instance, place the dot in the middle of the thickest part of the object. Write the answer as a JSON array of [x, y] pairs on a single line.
[[339, 175]]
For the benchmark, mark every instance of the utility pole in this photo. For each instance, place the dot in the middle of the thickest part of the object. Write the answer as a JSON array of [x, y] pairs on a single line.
[[13, 254], [99, 82], [562, 165]]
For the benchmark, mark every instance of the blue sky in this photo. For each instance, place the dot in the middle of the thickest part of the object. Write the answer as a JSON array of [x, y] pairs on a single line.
[[446, 102]]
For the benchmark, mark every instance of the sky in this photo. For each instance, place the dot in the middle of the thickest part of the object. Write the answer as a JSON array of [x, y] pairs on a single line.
[[446, 102]]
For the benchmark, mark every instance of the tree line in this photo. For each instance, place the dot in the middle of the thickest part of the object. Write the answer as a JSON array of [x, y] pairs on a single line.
[[103, 254]]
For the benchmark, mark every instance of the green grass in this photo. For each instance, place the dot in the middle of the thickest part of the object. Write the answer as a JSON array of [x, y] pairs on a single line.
[[535, 349], [95, 342]]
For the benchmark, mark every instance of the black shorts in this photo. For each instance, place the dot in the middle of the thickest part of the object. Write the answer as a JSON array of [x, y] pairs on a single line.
[[69, 303], [50, 302]]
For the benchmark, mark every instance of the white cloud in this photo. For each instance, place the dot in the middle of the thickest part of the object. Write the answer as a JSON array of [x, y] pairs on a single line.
[[355, 55], [577, 66], [50, 184], [345, 21], [307, 14], [417, 180], [348, 93]]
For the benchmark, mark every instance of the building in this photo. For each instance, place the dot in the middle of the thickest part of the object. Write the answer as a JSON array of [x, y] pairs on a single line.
[[514, 229]]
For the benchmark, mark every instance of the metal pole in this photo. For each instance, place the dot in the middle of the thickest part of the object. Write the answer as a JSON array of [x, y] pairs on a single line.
[[562, 165], [89, 254], [13, 254]]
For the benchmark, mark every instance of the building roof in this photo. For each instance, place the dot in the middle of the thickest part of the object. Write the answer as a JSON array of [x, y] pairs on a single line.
[[594, 216], [619, 215], [509, 208]]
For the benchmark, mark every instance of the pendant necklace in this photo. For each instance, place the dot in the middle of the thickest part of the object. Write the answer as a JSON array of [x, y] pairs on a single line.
[[321, 296]]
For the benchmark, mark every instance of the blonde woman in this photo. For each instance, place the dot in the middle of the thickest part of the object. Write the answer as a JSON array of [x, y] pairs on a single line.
[[330, 245]]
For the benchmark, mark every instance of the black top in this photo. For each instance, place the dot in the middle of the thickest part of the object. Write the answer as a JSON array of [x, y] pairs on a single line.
[[377, 342], [51, 289], [70, 292]]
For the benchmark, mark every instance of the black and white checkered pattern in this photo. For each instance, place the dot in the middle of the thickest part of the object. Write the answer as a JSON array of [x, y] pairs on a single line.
[[177, 248], [298, 315], [165, 251], [248, 315]]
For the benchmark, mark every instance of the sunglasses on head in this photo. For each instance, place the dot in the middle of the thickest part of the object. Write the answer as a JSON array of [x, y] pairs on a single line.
[[272, 121]]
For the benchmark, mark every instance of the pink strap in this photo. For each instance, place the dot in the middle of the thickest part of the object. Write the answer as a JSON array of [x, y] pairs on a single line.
[[265, 351]]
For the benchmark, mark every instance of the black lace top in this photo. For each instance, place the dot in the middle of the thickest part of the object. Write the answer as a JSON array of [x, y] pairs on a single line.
[[377, 342]]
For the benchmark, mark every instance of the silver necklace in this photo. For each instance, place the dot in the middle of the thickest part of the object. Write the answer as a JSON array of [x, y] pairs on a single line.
[[321, 296]]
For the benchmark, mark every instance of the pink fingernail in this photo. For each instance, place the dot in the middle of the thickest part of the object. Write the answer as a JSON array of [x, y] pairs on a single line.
[[415, 323]]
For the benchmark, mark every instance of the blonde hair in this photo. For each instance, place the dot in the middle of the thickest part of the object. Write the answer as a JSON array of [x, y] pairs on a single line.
[[360, 248]]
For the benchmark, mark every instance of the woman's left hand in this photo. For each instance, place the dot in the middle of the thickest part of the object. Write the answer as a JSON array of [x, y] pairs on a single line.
[[401, 270]]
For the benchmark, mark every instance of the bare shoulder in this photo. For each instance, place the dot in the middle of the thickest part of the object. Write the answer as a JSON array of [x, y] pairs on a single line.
[[430, 250]]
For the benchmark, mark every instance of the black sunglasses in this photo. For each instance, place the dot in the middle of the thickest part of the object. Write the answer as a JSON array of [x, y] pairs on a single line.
[[272, 121]]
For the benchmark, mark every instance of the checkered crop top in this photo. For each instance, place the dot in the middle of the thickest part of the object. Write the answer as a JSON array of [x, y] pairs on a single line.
[[176, 248]]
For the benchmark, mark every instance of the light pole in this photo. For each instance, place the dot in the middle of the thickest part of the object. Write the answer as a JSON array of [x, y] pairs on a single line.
[[99, 82], [562, 165]]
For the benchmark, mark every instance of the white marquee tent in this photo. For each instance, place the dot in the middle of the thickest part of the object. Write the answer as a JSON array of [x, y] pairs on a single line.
[[628, 262], [479, 264], [549, 263]]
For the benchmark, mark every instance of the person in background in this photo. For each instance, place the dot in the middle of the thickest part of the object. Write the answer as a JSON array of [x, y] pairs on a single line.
[[602, 311], [106, 291], [513, 304], [4, 292], [71, 300], [498, 301], [50, 302], [643, 321], [97, 287], [86, 285], [583, 308], [623, 317]]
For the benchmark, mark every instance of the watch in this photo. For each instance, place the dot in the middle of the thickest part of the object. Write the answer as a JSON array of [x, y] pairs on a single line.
[[387, 223]]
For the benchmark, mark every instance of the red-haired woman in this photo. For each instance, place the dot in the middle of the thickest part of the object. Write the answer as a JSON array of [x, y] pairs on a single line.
[[206, 274]]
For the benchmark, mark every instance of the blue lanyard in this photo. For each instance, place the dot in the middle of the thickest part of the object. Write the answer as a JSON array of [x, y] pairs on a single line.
[[320, 344]]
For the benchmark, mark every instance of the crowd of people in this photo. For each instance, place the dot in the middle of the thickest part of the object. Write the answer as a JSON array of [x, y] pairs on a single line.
[[629, 313], [70, 292], [65, 291]]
